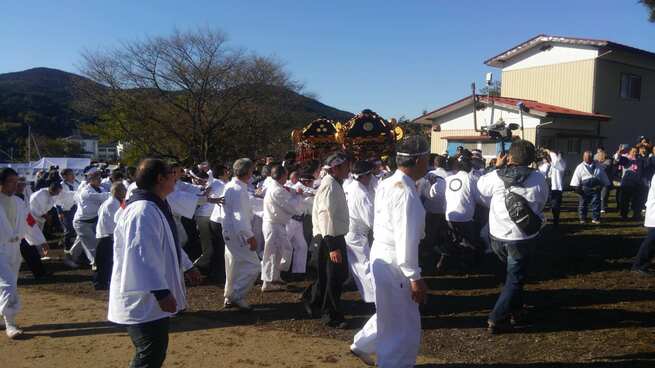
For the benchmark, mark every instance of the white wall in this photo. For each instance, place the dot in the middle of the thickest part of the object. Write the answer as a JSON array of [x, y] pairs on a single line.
[[463, 118], [556, 55]]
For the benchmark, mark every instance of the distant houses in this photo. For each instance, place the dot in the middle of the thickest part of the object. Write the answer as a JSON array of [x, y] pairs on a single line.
[[576, 94], [93, 149]]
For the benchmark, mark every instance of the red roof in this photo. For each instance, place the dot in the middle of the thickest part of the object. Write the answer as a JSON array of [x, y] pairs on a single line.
[[473, 138], [550, 110], [508, 102]]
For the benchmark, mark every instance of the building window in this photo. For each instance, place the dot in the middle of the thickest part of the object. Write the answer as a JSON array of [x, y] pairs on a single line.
[[630, 86], [573, 145]]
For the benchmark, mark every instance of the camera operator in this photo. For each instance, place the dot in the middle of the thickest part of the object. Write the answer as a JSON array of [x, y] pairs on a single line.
[[518, 194]]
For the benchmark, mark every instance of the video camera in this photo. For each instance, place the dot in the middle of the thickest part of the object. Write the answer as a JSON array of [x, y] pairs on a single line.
[[500, 131]]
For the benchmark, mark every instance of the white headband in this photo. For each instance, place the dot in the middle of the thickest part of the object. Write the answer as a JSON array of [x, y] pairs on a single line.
[[357, 176], [404, 154], [334, 163]]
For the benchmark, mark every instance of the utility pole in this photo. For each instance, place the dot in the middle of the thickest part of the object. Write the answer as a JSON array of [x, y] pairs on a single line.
[[29, 142], [475, 108]]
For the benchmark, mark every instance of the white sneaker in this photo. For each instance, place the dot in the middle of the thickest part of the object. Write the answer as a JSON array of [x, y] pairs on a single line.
[[13, 332], [242, 305], [365, 358], [268, 286]]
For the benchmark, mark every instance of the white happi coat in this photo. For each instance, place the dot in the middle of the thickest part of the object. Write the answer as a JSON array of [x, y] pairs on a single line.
[[584, 172], [66, 199], [145, 259], [279, 206], [556, 172], [183, 202], [360, 210], [241, 264], [330, 210], [461, 197], [106, 217], [40, 203], [11, 233], [394, 332]]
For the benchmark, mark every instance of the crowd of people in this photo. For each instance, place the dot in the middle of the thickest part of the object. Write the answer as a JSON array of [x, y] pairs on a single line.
[[148, 231]]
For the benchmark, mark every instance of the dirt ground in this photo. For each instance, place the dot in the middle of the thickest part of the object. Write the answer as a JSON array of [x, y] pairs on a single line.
[[586, 310]]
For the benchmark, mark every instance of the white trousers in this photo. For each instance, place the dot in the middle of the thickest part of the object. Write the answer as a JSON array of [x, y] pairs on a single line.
[[85, 242], [358, 259], [241, 267], [276, 243], [10, 259], [298, 248], [394, 332]]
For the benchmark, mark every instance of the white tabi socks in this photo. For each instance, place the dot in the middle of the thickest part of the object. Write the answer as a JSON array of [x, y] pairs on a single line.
[[10, 327]]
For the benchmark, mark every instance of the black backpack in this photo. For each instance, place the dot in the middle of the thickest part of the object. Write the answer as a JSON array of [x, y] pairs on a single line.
[[521, 213]]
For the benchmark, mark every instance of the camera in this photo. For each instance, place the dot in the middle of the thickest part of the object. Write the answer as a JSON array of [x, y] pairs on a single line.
[[500, 131]]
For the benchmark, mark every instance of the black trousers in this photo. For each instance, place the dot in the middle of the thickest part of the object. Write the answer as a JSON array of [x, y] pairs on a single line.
[[324, 294], [151, 342], [429, 247], [192, 246], [217, 262], [32, 259], [556, 205], [630, 196], [104, 262]]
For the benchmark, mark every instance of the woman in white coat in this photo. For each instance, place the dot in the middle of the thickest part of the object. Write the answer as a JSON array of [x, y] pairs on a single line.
[[147, 285]]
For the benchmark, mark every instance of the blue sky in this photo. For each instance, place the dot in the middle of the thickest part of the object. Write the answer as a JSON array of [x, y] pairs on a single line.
[[395, 57]]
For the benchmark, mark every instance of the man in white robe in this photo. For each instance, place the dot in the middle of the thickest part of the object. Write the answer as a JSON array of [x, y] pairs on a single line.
[[105, 235], [360, 210], [147, 285], [88, 199], [296, 258], [279, 206], [13, 214], [241, 262], [394, 332]]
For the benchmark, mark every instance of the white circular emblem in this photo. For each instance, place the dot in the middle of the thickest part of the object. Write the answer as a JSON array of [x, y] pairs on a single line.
[[368, 126], [455, 185]]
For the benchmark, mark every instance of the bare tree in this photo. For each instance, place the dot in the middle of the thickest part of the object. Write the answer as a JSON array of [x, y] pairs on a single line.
[[650, 4], [178, 95]]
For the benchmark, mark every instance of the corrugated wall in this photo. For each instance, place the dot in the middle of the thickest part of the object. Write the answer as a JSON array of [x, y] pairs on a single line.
[[568, 85]]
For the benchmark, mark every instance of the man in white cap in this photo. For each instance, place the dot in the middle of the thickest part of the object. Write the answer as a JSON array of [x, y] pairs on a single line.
[[394, 332], [88, 199], [360, 209], [13, 214], [330, 225]]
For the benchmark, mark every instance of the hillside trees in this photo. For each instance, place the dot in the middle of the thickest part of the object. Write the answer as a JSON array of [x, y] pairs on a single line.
[[188, 95]]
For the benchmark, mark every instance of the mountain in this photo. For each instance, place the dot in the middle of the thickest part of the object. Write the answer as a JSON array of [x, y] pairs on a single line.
[[45, 98]]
